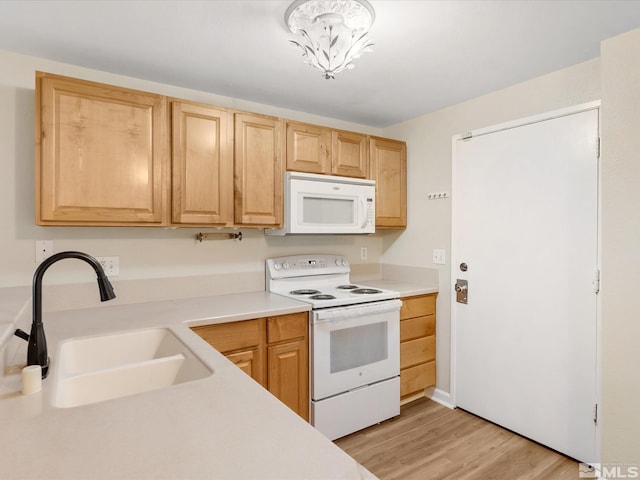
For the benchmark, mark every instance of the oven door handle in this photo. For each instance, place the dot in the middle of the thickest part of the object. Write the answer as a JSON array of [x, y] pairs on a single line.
[[346, 313]]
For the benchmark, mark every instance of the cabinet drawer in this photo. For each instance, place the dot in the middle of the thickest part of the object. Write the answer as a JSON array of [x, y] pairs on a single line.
[[417, 327], [287, 327], [417, 378], [226, 337], [417, 351], [418, 306]]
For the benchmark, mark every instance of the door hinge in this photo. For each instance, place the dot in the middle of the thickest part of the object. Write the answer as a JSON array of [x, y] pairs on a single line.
[[595, 415], [596, 281], [598, 147]]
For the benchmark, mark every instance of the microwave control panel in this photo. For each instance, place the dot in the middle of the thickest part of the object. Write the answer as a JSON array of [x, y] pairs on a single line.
[[371, 212]]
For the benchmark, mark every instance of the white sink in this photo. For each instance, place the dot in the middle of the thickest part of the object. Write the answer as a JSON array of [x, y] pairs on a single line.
[[104, 367]]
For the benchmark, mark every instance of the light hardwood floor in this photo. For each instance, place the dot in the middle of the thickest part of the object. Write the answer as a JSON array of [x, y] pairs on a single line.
[[428, 442]]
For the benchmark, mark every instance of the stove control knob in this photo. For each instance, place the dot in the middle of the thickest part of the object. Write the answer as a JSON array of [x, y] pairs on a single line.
[[285, 265], [338, 261], [277, 266], [344, 262]]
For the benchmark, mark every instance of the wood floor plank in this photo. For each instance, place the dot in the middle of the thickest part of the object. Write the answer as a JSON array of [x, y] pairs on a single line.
[[431, 442]]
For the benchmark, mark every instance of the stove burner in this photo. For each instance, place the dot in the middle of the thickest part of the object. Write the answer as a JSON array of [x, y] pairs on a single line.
[[346, 287], [366, 291], [322, 296], [305, 291]]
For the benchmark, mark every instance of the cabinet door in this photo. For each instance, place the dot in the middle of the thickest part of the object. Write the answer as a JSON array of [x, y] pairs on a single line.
[[101, 154], [288, 367], [258, 170], [349, 154], [202, 165], [241, 342], [308, 148], [250, 362], [389, 170]]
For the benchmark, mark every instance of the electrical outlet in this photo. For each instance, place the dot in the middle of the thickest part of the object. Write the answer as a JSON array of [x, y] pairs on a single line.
[[110, 265], [44, 249], [439, 257], [363, 253]]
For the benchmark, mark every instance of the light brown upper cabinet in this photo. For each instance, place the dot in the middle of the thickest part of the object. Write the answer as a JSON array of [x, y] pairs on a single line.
[[316, 149], [112, 156], [101, 155], [258, 163], [349, 154], [308, 148], [389, 170], [202, 165], [227, 167]]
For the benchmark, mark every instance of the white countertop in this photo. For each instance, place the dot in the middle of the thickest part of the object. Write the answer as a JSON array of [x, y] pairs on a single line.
[[224, 426], [405, 289]]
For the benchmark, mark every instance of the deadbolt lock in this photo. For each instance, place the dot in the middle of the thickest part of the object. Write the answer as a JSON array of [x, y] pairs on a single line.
[[462, 289]]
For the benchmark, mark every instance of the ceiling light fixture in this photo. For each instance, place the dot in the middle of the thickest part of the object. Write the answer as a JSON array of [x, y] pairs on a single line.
[[331, 33]]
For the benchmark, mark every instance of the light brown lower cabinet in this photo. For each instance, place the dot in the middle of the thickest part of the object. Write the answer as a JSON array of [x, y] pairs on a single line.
[[273, 351], [249, 361], [288, 372], [417, 346]]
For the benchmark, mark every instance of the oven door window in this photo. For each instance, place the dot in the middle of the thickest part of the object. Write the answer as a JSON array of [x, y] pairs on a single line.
[[358, 346]]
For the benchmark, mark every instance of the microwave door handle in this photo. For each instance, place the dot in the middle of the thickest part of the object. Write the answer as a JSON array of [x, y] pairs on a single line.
[[364, 213]]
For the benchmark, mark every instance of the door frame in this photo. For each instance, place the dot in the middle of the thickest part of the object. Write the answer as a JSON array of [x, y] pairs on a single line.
[[595, 105]]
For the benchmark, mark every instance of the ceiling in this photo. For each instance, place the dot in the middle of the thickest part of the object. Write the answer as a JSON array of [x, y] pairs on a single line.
[[428, 54]]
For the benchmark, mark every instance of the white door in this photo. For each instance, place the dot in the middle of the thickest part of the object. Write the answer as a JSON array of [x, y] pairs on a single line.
[[525, 223]]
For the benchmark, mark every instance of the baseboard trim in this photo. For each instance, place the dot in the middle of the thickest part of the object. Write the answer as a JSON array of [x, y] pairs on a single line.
[[441, 397]]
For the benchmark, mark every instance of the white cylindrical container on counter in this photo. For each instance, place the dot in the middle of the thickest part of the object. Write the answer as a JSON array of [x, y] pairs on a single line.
[[31, 379]]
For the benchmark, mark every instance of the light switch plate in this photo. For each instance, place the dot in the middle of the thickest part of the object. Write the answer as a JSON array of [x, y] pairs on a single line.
[[439, 257]]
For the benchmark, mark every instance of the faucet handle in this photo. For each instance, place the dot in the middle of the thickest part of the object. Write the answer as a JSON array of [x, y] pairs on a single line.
[[22, 334]]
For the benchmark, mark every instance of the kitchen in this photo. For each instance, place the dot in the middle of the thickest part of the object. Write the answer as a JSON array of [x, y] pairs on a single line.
[[160, 263]]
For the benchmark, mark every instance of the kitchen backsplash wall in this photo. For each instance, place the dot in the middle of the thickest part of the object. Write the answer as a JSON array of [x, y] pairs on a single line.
[[144, 253], [85, 294]]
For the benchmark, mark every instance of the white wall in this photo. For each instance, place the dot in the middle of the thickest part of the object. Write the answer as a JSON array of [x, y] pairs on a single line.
[[620, 165], [429, 170], [145, 253]]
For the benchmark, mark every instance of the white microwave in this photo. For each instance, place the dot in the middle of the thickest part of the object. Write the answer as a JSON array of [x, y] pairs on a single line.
[[326, 204]]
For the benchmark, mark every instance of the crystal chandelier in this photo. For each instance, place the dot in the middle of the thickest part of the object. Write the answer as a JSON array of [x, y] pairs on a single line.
[[331, 33]]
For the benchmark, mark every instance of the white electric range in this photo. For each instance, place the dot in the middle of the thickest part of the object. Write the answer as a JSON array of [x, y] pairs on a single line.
[[354, 341]]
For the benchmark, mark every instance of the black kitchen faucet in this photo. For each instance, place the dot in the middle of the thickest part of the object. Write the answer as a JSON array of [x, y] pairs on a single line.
[[37, 350]]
